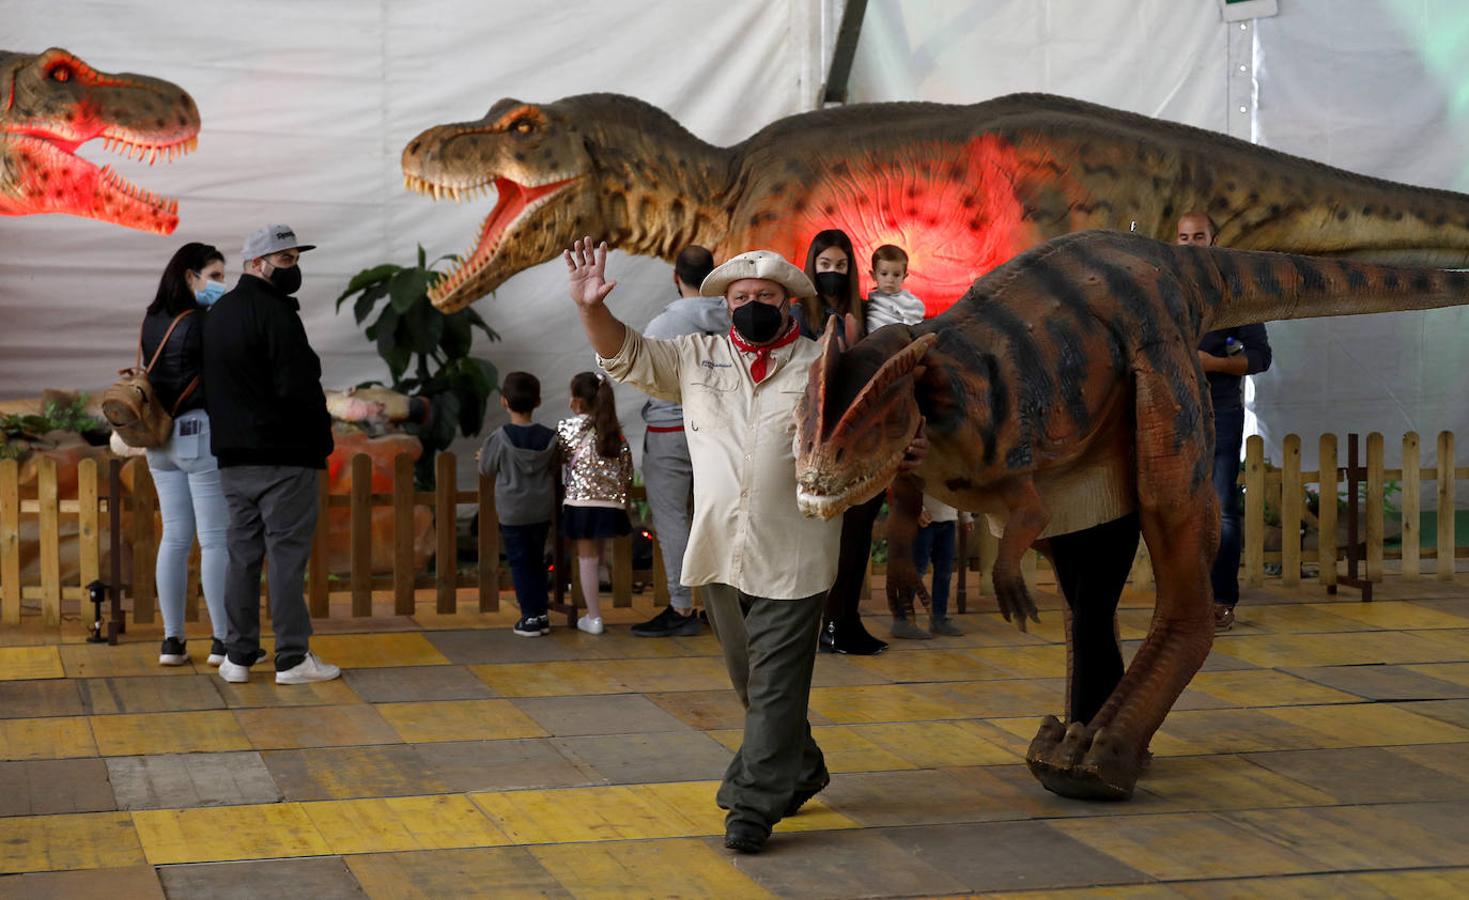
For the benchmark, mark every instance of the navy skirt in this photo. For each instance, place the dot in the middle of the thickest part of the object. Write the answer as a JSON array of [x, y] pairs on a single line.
[[592, 522]]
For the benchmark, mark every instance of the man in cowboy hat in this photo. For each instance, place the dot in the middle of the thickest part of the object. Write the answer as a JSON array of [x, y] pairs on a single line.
[[763, 567]]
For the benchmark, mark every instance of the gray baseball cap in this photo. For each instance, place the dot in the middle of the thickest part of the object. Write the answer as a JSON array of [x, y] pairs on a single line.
[[272, 239]]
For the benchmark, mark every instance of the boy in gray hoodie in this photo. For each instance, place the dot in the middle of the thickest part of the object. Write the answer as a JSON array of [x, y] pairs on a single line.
[[521, 457]]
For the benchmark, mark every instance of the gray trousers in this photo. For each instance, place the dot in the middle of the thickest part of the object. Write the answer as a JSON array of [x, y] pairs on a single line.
[[770, 649], [669, 477], [272, 516]]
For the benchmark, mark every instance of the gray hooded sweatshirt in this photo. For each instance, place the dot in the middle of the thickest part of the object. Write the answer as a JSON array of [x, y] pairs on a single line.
[[525, 489]]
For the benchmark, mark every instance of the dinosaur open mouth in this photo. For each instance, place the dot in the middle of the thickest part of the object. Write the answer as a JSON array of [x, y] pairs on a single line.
[[68, 183], [815, 502], [513, 203]]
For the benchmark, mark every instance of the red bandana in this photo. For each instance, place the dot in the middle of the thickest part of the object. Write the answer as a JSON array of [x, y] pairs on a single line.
[[762, 351]]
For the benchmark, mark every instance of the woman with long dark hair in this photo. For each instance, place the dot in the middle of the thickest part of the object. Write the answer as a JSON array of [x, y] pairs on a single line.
[[598, 471], [184, 469], [831, 264]]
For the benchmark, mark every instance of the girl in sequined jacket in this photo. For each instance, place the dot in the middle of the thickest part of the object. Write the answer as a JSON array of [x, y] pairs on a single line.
[[597, 471]]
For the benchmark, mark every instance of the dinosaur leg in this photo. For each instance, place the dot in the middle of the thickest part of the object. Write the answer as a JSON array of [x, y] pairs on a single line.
[[903, 583], [1027, 519], [1179, 513]]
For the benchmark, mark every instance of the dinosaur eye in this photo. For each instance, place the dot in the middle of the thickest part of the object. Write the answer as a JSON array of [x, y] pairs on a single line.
[[60, 72], [522, 126]]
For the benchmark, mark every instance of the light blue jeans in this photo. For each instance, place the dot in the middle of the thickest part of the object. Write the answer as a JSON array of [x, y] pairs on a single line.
[[190, 498]]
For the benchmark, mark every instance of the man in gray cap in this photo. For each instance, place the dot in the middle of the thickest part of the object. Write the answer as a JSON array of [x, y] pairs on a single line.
[[764, 568], [271, 433]]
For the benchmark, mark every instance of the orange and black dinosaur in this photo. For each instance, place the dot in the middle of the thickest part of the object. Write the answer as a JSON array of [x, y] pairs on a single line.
[[961, 188], [51, 103], [1065, 386]]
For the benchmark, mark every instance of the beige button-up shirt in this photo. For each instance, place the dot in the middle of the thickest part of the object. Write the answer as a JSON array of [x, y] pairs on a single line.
[[747, 531]]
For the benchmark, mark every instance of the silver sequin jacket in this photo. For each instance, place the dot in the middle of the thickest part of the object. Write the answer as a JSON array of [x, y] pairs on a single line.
[[592, 479]]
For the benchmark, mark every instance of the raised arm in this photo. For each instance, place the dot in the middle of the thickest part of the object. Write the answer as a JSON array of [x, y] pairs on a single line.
[[587, 271]]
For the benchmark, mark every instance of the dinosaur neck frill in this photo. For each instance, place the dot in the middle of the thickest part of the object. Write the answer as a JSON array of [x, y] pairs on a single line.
[[661, 188]]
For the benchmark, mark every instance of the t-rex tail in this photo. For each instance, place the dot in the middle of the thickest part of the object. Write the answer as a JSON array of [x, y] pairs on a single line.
[[1254, 286]]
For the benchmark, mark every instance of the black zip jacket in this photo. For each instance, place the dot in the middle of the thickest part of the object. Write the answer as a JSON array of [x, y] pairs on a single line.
[[263, 381], [181, 361]]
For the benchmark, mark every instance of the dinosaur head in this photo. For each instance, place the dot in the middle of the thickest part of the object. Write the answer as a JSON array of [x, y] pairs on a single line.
[[534, 160], [52, 103], [856, 419]]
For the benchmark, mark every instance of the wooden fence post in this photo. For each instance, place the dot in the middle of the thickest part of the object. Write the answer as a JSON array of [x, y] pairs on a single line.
[[319, 589], [1412, 502], [89, 535], [1326, 510], [50, 533], [9, 542], [403, 569], [1291, 491], [1445, 563], [446, 559], [1375, 506], [1255, 511], [622, 571], [489, 547], [361, 535], [145, 547]]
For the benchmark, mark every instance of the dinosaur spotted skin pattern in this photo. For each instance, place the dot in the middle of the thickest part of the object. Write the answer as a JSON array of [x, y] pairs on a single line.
[[1068, 380], [961, 188], [51, 103]]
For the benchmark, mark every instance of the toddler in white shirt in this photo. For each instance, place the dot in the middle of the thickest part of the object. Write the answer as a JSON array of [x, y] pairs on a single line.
[[888, 303]]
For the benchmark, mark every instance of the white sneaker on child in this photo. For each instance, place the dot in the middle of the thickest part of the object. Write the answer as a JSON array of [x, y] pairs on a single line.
[[590, 624]]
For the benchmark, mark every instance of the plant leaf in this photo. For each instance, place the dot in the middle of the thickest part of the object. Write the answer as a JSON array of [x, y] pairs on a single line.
[[457, 336], [424, 326], [478, 321], [363, 307], [366, 277], [422, 258], [408, 287]]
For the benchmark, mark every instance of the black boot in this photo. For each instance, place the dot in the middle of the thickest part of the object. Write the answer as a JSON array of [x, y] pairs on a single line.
[[846, 635]]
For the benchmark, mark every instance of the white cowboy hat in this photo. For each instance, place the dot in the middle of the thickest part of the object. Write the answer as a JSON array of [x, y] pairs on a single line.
[[766, 264]]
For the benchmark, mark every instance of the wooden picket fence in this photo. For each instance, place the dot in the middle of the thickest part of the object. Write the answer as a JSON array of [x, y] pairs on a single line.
[[1282, 488]]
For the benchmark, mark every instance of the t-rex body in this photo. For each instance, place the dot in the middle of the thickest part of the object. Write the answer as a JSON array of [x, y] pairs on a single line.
[[1067, 381], [51, 103], [961, 188]]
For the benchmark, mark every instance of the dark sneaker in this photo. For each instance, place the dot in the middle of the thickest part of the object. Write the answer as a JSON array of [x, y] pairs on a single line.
[[217, 651], [799, 798], [906, 630], [668, 623], [745, 838], [945, 627], [173, 652], [533, 626], [1223, 617]]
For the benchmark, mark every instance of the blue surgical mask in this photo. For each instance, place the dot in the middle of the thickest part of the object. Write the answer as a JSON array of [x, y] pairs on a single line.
[[209, 293]]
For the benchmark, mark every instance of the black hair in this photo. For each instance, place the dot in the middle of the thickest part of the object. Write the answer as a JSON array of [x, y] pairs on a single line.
[[693, 265], [174, 294], [852, 303], [522, 391], [595, 392]]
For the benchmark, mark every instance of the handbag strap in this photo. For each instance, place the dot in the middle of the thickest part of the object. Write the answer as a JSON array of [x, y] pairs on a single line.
[[163, 343], [184, 396]]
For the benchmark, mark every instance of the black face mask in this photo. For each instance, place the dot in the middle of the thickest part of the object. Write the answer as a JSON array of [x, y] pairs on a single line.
[[287, 281], [832, 284], [759, 323]]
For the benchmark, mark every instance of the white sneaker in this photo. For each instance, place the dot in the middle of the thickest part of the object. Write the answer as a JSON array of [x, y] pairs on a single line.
[[233, 672], [590, 624], [307, 671]]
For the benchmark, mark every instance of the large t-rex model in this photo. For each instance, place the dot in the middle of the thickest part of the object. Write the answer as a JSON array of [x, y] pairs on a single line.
[[961, 188], [51, 103], [1067, 382]]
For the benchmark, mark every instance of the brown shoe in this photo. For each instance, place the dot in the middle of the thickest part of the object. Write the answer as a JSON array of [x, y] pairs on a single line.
[[1223, 617]]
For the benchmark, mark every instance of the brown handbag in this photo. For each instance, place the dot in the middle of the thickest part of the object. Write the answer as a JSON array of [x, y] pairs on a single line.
[[131, 406]]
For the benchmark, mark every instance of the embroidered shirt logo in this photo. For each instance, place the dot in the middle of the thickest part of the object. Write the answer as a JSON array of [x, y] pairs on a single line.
[[711, 364]]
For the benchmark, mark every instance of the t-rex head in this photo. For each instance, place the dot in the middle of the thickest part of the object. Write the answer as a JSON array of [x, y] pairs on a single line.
[[529, 154], [51, 103], [856, 419]]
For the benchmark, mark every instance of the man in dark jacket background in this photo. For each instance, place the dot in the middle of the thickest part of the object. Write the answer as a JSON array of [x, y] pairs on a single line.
[[272, 435]]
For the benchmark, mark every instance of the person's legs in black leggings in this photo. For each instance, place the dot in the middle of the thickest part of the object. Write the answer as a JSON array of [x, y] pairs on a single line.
[[1092, 566], [843, 618]]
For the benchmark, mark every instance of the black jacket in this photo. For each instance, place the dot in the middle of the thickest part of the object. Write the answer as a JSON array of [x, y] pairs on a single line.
[[181, 361], [263, 381], [1227, 391]]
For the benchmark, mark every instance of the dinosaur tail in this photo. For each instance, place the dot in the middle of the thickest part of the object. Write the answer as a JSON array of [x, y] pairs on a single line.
[[1268, 287]]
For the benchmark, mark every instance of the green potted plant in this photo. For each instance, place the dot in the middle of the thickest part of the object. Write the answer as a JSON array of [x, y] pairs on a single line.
[[427, 352]]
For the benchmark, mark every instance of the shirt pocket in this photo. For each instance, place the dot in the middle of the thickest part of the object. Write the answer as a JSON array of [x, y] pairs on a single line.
[[709, 398]]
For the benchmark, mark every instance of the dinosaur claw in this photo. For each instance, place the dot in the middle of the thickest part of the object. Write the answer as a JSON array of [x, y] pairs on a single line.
[[1083, 761]]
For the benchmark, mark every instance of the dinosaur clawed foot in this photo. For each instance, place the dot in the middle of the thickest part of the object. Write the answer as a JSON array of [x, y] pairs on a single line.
[[1013, 597], [1082, 761], [902, 592]]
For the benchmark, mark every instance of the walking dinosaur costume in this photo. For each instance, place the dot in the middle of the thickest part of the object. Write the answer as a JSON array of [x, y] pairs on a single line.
[[1066, 384], [961, 188], [52, 104]]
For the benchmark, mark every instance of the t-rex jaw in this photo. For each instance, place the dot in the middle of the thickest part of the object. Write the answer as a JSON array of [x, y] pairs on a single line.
[[63, 182], [815, 503], [513, 204]]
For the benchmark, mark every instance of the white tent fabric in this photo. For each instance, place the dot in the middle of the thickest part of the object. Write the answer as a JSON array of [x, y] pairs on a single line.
[[307, 106]]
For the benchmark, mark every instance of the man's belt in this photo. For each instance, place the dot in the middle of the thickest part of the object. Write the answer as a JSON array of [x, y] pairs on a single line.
[[664, 429]]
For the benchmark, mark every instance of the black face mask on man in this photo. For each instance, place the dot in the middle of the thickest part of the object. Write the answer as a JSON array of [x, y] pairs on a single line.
[[759, 323], [832, 284], [287, 281]]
